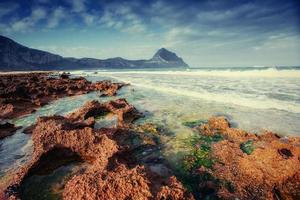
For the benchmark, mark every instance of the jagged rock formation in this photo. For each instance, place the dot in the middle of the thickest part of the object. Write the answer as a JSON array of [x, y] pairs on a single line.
[[112, 171], [14, 56], [240, 165], [22, 94]]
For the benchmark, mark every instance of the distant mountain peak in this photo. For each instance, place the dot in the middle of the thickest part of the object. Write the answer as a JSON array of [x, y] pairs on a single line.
[[164, 55], [14, 56]]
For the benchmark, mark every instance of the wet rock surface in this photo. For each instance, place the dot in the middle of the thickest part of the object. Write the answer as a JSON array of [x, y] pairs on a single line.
[[125, 112], [7, 129], [22, 94], [114, 169], [125, 160], [229, 163]]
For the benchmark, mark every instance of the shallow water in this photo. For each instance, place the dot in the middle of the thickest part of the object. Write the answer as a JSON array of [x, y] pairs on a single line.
[[49, 186], [266, 99], [255, 100]]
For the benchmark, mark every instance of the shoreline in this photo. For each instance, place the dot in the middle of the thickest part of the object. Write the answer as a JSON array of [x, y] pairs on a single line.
[[221, 162], [26, 72]]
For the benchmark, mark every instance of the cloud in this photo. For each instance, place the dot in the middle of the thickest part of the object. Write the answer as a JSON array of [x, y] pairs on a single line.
[[29, 22], [88, 19], [78, 5], [57, 15], [217, 22], [123, 18], [189, 27]]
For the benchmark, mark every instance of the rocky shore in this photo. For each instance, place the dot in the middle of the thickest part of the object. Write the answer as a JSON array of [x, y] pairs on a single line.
[[231, 163], [113, 171], [127, 162], [23, 93]]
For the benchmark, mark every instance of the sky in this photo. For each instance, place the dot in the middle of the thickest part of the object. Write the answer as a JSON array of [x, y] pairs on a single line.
[[205, 33]]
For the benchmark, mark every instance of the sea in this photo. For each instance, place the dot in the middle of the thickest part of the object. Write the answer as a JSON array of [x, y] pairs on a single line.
[[255, 99]]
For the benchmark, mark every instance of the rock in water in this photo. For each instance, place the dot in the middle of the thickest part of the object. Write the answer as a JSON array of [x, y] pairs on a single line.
[[245, 165], [112, 171]]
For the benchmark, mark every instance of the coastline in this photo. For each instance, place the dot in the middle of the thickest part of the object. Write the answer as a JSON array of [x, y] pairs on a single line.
[[26, 72], [222, 160]]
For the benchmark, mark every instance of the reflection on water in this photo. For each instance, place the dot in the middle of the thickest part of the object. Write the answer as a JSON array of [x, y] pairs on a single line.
[[48, 186]]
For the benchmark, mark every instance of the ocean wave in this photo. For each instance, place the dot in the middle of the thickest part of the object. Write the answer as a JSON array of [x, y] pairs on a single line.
[[233, 99], [269, 73]]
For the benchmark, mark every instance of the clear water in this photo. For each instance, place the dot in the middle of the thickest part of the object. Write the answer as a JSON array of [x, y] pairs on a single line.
[[255, 99]]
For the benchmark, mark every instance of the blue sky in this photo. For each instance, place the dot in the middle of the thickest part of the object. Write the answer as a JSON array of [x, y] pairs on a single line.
[[204, 33]]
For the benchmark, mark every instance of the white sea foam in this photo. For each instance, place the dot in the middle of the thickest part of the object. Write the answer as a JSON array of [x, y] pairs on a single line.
[[259, 90], [271, 73], [227, 99]]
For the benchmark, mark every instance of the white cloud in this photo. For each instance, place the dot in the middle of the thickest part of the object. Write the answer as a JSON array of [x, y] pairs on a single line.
[[78, 5], [88, 19], [55, 18], [29, 22], [38, 14], [123, 18]]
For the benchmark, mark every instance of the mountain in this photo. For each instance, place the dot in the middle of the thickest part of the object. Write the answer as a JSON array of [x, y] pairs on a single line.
[[14, 56]]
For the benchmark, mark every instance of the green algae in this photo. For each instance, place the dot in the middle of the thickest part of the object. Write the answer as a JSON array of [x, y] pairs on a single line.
[[192, 124], [199, 156], [247, 147], [201, 152], [153, 128]]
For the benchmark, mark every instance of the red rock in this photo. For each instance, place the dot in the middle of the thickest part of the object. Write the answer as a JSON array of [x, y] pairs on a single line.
[[126, 113], [6, 110], [108, 175], [173, 190], [22, 94], [108, 88], [268, 171]]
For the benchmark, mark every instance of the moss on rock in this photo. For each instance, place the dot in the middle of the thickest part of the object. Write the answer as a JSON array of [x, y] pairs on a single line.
[[193, 124], [247, 147]]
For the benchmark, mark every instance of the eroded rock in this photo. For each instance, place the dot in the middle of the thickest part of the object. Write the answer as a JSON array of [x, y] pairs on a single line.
[[126, 113], [108, 88], [249, 166], [113, 171], [22, 94]]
